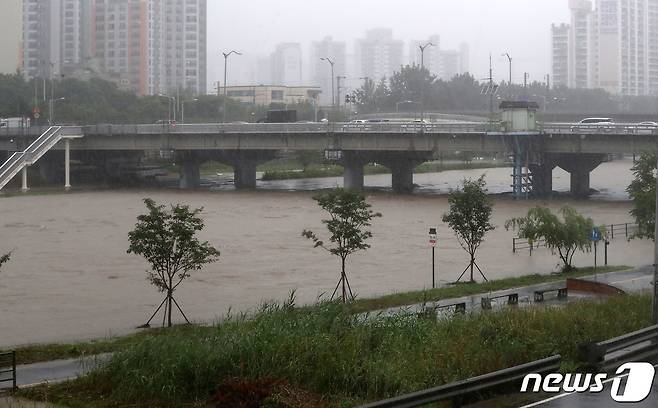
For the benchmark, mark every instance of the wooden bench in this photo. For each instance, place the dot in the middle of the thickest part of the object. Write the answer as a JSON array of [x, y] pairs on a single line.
[[562, 293], [512, 299]]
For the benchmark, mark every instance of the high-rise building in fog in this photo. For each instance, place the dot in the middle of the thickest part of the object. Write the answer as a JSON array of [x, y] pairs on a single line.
[[148, 46], [613, 45], [286, 64], [560, 54], [321, 70], [152, 46], [379, 54], [11, 36]]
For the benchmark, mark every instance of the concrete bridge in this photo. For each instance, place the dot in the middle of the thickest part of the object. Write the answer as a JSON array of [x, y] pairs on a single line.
[[578, 149]]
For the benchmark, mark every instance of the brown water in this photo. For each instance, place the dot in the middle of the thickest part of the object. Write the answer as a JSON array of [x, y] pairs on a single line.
[[71, 278]]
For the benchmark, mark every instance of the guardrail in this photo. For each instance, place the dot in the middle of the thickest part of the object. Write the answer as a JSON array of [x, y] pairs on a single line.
[[8, 366], [626, 229], [607, 355], [459, 390]]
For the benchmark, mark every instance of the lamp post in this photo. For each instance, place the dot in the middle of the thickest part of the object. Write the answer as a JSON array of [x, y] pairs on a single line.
[[51, 108], [226, 55], [510, 73], [172, 102], [655, 264], [422, 70], [182, 116], [52, 93], [333, 94]]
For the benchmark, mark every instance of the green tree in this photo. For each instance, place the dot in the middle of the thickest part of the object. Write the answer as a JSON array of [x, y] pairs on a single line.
[[469, 216], [564, 236], [167, 240], [350, 216], [412, 83], [642, 191]]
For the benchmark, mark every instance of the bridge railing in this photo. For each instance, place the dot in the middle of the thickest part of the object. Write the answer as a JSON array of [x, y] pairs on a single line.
[[597, 128]]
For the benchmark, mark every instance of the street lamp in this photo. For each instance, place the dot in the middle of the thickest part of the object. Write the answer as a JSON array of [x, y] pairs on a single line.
[[182, 116], [226, 55], [172, 102], [333, 95], [51, 110], [422, 88], [509, 85]]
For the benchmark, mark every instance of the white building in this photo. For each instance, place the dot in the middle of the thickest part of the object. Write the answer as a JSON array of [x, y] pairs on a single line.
[[613, 45], [11, 36], [286, 64], [379, 54], [560, 54], [321, 70]]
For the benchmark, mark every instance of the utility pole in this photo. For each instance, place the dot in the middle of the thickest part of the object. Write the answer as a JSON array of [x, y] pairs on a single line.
[[333, 89], [422, 88], [655, 263], [509, 84], [338, 88], [226, 55], [491, 94], [548, 82]]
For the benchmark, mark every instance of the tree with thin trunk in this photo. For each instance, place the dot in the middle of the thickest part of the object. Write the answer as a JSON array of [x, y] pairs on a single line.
[[562, 236], [350, 216], [469, 216], [167, 240]]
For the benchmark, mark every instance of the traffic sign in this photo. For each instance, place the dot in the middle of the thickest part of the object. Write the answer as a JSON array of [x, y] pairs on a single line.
[[432, 237], [595, 235]]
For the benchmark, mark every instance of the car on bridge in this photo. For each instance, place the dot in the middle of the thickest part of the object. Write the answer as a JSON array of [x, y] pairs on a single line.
[[594, 125], [645, 128]]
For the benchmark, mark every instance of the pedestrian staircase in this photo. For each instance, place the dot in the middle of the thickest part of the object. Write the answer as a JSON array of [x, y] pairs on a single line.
[[31, 155]]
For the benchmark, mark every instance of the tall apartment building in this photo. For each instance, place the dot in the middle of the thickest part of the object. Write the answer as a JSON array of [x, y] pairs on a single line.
[[321, 70], [379, 54], [152, 46], [11, 36], [148, 46], [560, 54], [613, 45], [286, 64]]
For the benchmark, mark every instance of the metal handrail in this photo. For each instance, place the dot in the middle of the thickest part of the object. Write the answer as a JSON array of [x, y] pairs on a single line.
[[12, 369], [472, 385], [522, 243]]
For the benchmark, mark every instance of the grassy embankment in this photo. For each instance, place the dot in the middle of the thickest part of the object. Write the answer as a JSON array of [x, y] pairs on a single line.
[[325, 356], [46, 352]]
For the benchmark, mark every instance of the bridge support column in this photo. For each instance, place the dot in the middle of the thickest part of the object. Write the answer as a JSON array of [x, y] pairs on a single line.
[[403, 177], [67, 164], [244, 164], [402, 165], [188, 169], [542, 179], [579, 166], [353, 163], [24, 187]]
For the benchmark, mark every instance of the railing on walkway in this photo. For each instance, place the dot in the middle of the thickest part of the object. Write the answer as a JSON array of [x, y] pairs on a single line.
[[8, 368], [607, 355], [460, 390], [612, 230]]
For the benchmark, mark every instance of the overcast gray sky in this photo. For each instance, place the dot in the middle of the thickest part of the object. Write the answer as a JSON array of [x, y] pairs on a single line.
[[520, 27]]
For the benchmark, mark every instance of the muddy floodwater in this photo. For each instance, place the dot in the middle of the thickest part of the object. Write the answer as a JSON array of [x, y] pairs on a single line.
[[70, 277]]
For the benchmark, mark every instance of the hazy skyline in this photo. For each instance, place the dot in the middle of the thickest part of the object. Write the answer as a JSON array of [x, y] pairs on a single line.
[[520, 27]]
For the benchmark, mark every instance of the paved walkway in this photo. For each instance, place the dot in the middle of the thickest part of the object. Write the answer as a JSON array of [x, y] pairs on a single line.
[[633, 280]]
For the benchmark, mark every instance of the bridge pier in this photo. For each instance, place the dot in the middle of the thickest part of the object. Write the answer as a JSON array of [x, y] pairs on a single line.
[[579, 166], [542, 178], [244, 164], [402, 165], [353, 163], [189, 173]]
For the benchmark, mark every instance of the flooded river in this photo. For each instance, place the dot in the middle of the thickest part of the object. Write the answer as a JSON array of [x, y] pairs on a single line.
[[70, 276]]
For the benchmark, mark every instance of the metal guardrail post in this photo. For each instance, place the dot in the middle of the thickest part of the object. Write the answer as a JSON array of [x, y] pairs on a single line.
[[514, 245], [13, 369]]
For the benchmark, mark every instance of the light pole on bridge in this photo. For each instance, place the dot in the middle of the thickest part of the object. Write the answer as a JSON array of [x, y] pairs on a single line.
[[226, 55], [172, 102], [182, 115], [333, 90], [422, 71]]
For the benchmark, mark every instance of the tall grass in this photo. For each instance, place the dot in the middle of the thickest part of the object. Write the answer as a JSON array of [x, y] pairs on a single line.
[[330, 351]]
